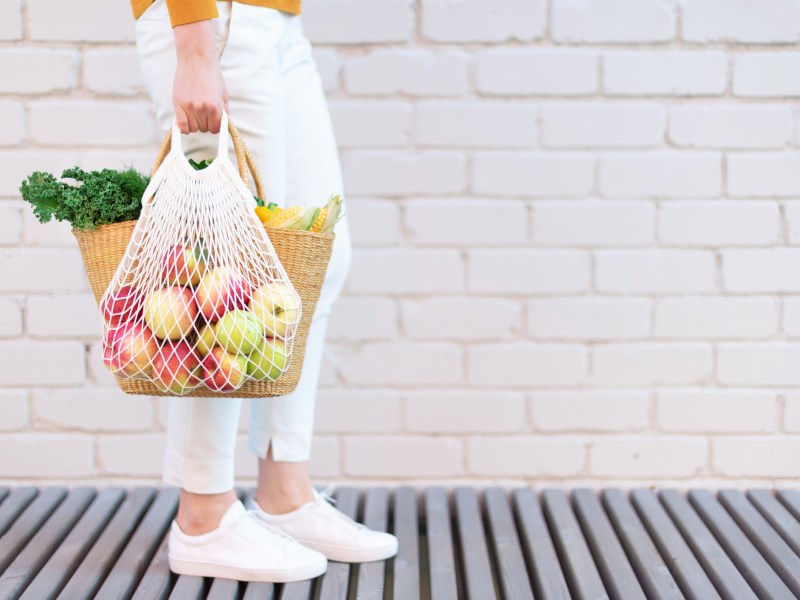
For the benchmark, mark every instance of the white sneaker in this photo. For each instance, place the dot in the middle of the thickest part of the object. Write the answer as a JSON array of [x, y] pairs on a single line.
[[243, 547], [320, 526]]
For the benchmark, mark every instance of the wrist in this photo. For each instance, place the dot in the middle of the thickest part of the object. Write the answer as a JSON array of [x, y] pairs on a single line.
[[194, 40]]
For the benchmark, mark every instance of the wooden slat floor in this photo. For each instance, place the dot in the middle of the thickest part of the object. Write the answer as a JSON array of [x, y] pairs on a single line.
[[482, 544]]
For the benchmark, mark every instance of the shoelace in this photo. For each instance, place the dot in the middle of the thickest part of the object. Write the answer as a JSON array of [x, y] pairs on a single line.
[[325, 496], [264, 528]]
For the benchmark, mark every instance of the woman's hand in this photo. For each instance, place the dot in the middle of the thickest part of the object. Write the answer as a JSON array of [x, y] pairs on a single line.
[[199, 93]]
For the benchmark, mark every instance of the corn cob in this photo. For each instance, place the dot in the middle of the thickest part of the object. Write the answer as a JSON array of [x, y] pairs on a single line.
[[301, 221], [320, 220], [283, 214]]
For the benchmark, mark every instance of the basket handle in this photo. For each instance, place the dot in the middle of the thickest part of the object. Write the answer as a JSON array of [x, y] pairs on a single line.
[[244, 160]]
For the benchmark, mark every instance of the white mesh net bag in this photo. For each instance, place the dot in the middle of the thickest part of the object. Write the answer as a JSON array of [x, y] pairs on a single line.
[[200, 300]]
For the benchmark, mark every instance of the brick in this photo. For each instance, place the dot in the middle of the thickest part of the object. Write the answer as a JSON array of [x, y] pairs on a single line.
[[651, 363], [63, 316], [10, 20], [55, 234], [587, 223], [465, 411], [741, 21], [326, 457], [406, 271], [791, 317], [357, 21], [358, 411], [54, 455], [136, 455], [404, 364], [775, 175], [113, 71], [589, 410], [523, 174], [648, 457], [716, 318], [42, 363], [718, 223], [371, 124], [374, 223], [402, 456], [363, 318], [10, 318], [466, 222], [98, 373], [108, 158], [60, 123], [394, 174], [481, 124], [730, 126], [594, 125], [537, 72], [664, 73], [791, 211], [589, 318], [758, 363], [518, 456], [41, 271], [10, 224], [13, 119], [101, 21], [610, 21], [523, 364], [38, 70], [528, 271], [14, 415], [475, 21], [766, 74], [423, 73], [460, 318], [716, 411], [329, 67], [743, 456], [669, 174], [654, 271], [791, 420], [19, 164], [761, 270], [90, 410]]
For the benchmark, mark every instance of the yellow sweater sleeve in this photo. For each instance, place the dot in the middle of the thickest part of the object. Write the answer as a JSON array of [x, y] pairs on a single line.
[[189, 11]]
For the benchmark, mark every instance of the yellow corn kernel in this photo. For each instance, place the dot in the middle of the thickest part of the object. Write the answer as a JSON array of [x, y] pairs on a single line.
[[319, 221], [282, 215]]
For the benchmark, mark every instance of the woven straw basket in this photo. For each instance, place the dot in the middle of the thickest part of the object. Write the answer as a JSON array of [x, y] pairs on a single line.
[[304, 255]]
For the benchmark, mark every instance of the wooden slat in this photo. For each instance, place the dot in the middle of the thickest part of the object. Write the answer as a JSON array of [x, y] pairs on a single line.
[[299, 590], [405, 564], [791, 500], [188, 587], [157, 581], [778, 516], [14, 504], [333, 584], [755, 569], [260, 591], [28, 523], [441, 556], [510, 564], [682, 563], [372, 575], [476, 566], [4, 491], [38, 550], [771, 546], [609, 556], [580, 571], [537, 545], [224, 589], [88, 577]]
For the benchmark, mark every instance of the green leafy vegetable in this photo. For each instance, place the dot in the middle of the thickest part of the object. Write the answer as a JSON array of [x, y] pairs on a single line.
[[202, 164], [98, 197]]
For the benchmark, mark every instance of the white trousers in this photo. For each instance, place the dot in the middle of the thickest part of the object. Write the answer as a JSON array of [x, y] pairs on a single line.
[[277, 102]]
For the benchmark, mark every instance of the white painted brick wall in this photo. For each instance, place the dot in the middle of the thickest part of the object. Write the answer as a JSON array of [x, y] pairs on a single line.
[[576, 230]]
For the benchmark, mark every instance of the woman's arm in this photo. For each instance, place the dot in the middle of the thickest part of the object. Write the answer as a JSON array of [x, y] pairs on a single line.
[[199, 93]]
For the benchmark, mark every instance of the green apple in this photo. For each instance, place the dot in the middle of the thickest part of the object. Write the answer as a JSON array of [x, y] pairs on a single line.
[[277, 306], [239, 331], [206, 339], [268, 360]]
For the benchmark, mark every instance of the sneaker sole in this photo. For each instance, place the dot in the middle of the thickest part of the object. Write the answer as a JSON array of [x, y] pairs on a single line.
[[204, 569], [347, 555]]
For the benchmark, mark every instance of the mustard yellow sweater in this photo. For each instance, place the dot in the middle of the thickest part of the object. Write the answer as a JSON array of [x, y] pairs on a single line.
[[189, 11]]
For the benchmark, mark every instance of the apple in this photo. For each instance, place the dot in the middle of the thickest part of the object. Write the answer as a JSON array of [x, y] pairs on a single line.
[[223, 371], [239, 331], [121, 306], [130, 349], [170, 312], [220, 290], [206, 339], [268, 360], [176, 368], [182, 265], [277, 306]]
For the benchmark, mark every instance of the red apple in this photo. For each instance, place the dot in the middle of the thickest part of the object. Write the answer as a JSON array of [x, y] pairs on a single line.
[[182, 265], [170, 312], [130, 349], [223, 371], [220, 290], [121, 306], [176, 368]]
